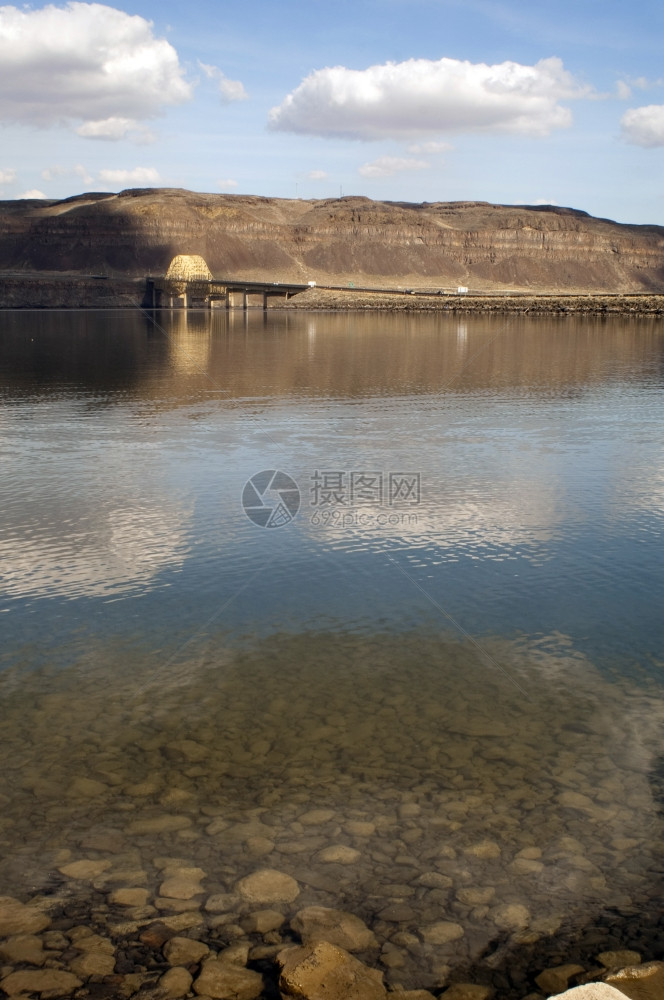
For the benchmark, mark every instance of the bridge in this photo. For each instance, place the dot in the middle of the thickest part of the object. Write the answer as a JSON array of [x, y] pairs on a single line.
[[189, 284]]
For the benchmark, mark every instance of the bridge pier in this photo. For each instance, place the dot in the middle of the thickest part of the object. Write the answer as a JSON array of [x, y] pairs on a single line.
[[172, 299], [255, 300]]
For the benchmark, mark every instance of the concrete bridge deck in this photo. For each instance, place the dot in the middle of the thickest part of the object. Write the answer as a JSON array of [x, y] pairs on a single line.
[[197, 293]]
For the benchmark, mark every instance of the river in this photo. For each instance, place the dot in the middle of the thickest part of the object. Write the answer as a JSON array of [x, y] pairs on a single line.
[[370, 601]]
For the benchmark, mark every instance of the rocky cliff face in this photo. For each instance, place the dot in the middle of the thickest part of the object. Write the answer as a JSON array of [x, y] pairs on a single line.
[[386, 244]]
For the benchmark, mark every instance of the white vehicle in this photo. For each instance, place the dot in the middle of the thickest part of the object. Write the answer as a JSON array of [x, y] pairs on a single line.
[[312, 284], [462, 290]]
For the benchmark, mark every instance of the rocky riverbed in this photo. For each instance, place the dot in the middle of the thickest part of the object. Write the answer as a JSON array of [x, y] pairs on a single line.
[[314, 957], [476, 817]]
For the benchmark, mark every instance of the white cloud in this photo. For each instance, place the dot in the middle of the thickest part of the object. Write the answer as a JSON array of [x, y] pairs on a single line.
[[625, 88], [420, 97], [644, 126], [229, 90], [51, 173], [643, 83], [541, 201], [317, 175], [232, 90], [227, 183], [85, 62], [32, 193], [7, 176], [80, 171], [430, 147], [106, 128], [139, 175], [387, 166]]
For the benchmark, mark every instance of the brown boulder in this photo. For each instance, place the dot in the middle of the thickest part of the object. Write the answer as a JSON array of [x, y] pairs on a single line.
[[324, 972], [345, 930], [51, 981], [225, 981]]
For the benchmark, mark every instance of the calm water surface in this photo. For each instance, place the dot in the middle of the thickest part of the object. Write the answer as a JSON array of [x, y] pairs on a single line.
[[433, 697]]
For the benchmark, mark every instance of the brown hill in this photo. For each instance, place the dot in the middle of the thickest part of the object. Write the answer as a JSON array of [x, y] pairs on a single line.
[[386, 244]]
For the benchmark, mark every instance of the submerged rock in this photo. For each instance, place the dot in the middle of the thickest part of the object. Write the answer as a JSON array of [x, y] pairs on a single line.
[[175, 983], [468, 991], [129, 897], [314, 817], [86, 869], [93, 963], [20, 918], [23, 949], [54, 982], [262, 921], [320, 923], [184, 951], [618, 959], [226, 981], [556, 979], [510, 916], [268, 886], [442, 932], [340, 854]]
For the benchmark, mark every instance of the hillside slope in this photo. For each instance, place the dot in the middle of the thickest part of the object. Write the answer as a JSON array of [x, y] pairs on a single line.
[[387, 244]]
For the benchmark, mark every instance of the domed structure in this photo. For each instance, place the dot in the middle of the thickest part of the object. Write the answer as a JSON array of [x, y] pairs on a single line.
[[188, 267]]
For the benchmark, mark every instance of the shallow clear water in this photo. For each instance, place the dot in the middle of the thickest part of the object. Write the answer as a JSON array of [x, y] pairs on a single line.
[[452, 653]]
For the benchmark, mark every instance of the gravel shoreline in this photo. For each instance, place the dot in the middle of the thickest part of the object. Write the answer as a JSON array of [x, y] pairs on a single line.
[[591, 304]]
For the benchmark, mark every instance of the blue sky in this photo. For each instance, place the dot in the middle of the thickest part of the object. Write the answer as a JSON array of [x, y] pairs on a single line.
[[427, 100]]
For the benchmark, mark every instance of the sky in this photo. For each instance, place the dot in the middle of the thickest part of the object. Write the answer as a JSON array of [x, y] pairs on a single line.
[[512, 102]]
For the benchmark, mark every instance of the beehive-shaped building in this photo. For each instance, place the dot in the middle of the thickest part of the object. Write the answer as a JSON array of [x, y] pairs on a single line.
[[188, 267]]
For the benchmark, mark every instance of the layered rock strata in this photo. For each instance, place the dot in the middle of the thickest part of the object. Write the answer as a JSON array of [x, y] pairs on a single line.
[[431, 245]]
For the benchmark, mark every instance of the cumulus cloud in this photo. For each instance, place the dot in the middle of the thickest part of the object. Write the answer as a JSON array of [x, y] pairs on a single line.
[[388, 166], [33, 193], [229, 90], [7, 176], [85, 62], [317, 175], [144, 176], [420, 97], [227, 182], [644, 126]]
